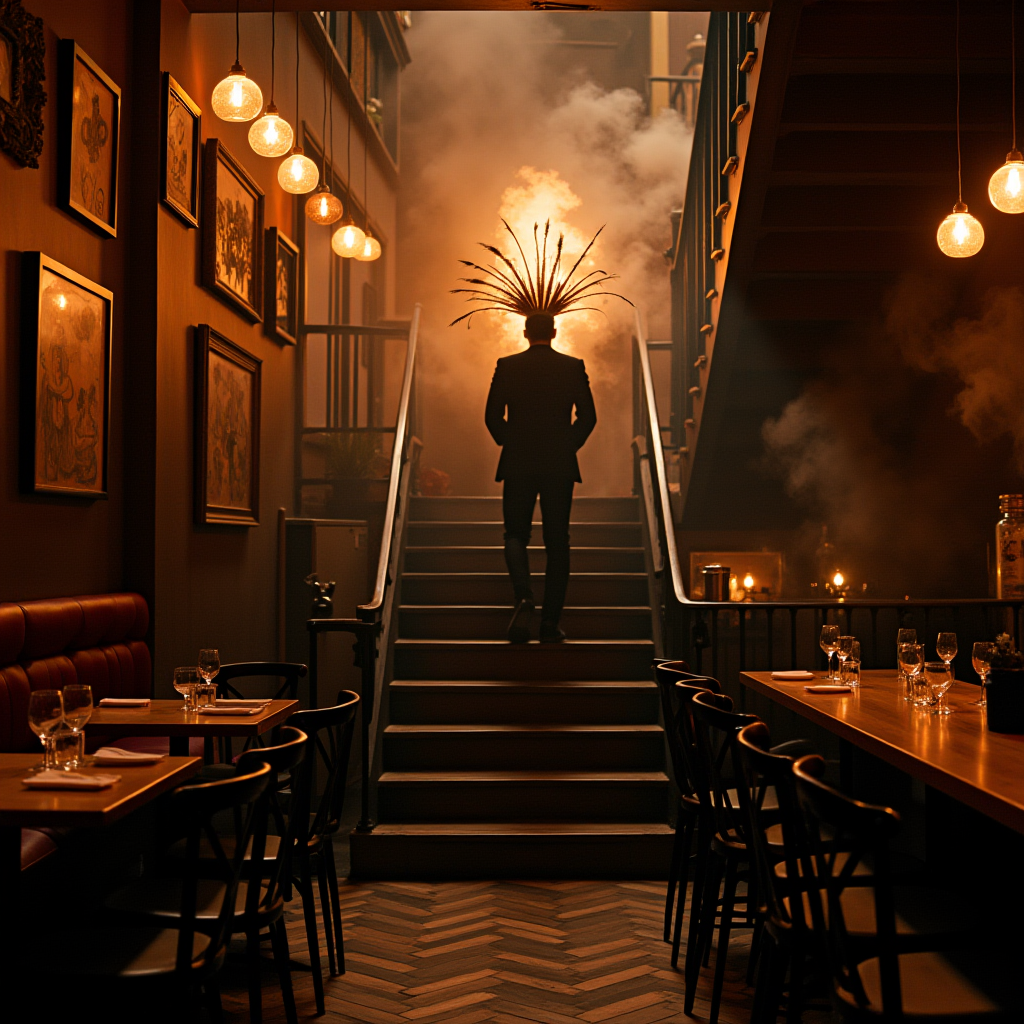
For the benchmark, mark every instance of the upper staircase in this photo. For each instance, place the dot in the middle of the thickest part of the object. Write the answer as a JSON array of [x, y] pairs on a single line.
[[531, 760]]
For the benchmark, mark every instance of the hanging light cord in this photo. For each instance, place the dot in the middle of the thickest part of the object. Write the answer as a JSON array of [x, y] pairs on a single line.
[[1013, 69], [366, 120], [273, 47], [323, 137], [297, 17], [959, 168], [238, 37], [332, 123], [348, 140]]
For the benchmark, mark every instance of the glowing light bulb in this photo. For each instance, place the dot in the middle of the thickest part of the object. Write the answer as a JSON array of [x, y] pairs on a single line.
[[960, 234], [748, 581], [297, 173], [62, 301], [1006, 186], [324, 208], [237, 97], [370, 250], [348, 241], [271, 135], [838, 580]]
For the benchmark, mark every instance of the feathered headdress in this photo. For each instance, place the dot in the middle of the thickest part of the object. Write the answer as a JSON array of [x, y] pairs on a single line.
[[540, 289]]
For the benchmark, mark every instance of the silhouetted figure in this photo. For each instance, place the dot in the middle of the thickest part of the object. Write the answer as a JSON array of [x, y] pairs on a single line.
[[539, 389]]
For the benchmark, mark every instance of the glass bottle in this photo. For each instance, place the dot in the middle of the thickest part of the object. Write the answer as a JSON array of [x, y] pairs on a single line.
[[1010, 547]]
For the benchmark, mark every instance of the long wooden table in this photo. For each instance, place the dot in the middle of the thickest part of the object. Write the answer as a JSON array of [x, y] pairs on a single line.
[[955, 754]]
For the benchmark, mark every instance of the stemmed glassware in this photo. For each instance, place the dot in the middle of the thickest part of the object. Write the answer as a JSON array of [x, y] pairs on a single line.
[[844, 650], [945, 647], [903, 636], [939, 677], [45, 714], [829, 641], [77, 712], [209, 663], [981, 659], [912, 663], [185, 680]]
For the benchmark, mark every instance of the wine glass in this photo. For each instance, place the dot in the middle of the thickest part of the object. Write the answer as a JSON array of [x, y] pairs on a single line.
[[981, 659], [945, 647], [903, 636], [829, 641], [185, 680], [209, 663], [912, 662], [77, 711], [45, 713], [939, 677], [844, 649]]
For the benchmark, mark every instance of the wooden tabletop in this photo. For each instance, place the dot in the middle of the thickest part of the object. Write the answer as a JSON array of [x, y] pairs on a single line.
[[24, 807], [165, 718], [953, 753]]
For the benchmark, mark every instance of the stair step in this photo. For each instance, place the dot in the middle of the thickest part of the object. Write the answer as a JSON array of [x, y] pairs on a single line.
[[439, 558], [495, 659], [473, 702], [490, 622], [517, 849], [474, 796], [487, 508], [585, 534], [590, 589], [527, 746]]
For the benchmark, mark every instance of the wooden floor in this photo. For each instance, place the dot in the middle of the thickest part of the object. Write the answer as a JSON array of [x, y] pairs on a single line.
[[531, 952]]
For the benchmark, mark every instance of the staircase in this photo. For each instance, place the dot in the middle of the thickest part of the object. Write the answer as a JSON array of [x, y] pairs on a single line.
[[504, 761]]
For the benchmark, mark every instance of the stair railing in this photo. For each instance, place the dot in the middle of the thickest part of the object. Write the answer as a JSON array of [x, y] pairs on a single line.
[[373, 626]]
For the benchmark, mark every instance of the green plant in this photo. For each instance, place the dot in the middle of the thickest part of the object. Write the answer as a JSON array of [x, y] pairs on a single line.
[[351, 455], [1006, 654]]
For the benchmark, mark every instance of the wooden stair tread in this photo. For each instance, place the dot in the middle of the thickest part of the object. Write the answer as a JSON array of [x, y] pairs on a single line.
[[525, 685], [603, 609], [489, 728], [520, 776], [456, 523], [576, 548], [504, 575], [527, 828], [505, 645]]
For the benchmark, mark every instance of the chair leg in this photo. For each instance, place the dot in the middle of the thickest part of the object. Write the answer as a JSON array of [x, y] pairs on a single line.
[[709, 911], [722, 952], [305, 887], [796, 961], [699, 868], [692, 965], [332, 880], [211, 1000], [325, 907], [252, 956], [673, 874], [282, 959]]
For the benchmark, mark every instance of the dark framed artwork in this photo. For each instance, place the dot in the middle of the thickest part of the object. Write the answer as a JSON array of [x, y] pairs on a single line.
[[88, 133], [227, 432], [179, 169], [22, 73], [232, 232], [281, 288], [65, 380]]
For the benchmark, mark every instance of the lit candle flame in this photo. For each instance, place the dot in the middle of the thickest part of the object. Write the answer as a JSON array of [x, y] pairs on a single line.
[[748, 581], [838, 580]]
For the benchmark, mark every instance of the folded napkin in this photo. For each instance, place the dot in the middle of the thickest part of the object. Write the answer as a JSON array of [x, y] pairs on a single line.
[[207, 710], [53, 779], [828, 688], [115, 755], [242, 702], [793, 675], [124, 702]]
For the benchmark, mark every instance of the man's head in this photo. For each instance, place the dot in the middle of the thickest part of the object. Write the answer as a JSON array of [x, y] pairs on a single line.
[[540, 328]]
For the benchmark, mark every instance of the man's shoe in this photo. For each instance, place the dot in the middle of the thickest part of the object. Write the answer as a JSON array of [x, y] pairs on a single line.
[[551, 634], [519, 627]]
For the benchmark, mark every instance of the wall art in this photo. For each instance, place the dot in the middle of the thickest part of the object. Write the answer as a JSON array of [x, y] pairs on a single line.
[[65, 380], [90, 117], [281, 288], [22, 73], [179, 173], [232, 231], [227, 431]]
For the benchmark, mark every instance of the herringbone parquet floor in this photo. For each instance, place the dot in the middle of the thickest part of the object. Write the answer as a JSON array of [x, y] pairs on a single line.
[[512, 952]]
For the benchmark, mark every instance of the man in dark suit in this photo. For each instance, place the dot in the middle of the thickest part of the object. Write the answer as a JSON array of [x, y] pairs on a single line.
[[539, 440]]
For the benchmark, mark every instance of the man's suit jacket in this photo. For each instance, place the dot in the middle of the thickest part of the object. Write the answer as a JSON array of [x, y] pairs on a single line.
[[539, 388]]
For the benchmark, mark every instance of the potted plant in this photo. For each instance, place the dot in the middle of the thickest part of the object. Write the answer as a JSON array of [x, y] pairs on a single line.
[[1005, 697]]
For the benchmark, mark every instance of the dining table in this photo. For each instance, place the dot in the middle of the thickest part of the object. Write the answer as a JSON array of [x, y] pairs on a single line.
[[955, 754]]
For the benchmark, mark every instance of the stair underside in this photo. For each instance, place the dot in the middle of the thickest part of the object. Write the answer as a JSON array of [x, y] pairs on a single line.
[[585, 588], [490, 622]]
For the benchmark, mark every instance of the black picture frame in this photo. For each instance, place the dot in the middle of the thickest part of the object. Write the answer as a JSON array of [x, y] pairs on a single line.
[[226, 249], [88, 139], [182, 127], [22, 73], [227, 431], [282, 265], [66, 340]]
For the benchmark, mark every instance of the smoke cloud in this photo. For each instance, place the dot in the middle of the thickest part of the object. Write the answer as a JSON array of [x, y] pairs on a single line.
[[496, 120]]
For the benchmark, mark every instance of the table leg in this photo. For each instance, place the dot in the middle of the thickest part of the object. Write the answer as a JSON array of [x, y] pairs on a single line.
[[179, 746]]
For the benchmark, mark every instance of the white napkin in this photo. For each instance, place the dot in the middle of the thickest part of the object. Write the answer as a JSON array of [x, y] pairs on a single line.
[[207, 710], [52, 779], [124, 702], [793, 675], [828, 688], [242, 702], [115, 755]]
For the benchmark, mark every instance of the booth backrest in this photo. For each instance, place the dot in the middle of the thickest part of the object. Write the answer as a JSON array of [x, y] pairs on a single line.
[[96, 640]]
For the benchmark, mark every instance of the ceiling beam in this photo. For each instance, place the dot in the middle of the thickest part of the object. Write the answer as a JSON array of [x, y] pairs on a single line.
[[263, 6]]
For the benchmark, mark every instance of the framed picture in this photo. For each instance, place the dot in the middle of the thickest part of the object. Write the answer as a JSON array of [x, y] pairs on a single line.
[[65, 380], [281, 288], [232, 232], [90, 118], [179, 172], [22, 71], [227, 405]]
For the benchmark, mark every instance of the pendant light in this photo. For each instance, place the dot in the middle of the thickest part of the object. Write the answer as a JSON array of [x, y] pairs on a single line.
[[371, 247], [271, 135], [237, 97], [348, 240], [323, 207], [960, 234], [297, 173], [1006, 186]]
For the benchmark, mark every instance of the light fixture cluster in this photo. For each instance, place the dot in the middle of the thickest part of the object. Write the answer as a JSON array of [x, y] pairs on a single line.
[[960, 234]]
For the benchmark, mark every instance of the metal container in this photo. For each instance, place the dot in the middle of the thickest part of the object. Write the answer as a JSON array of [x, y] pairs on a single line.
[[716, 582]]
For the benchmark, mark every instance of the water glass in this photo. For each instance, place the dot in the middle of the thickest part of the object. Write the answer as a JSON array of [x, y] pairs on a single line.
[[67, 748], [843, 650], [945, 646], [911, 661], [45, 714], [939, 678], [981, 660], [850, 674], [829, 642], [205, 695], [903, 636], [186, 679], [77, 712]]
